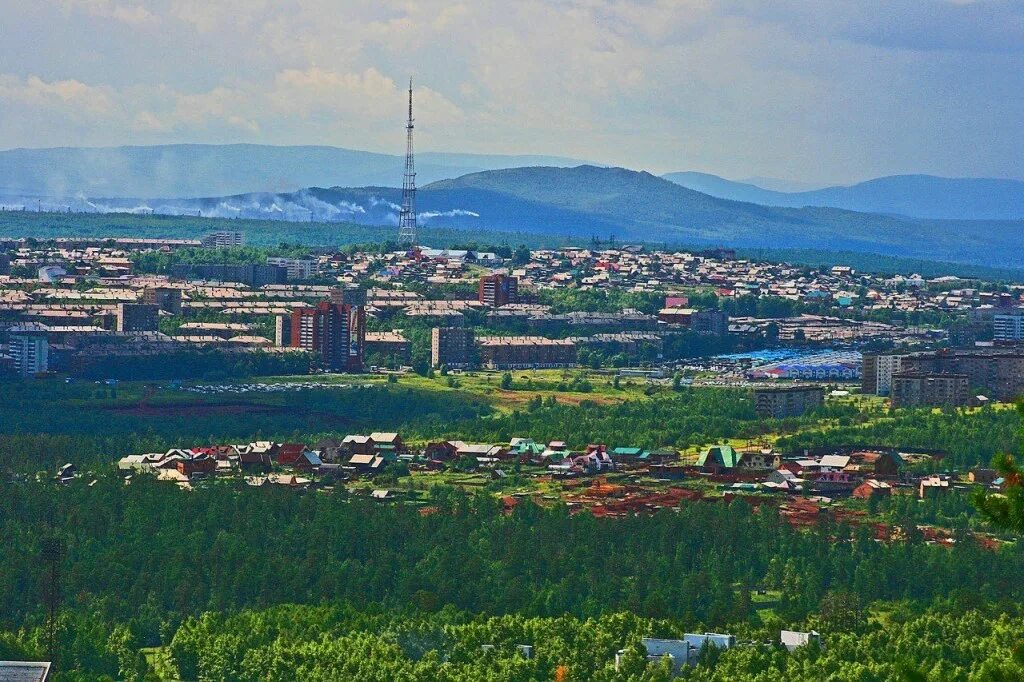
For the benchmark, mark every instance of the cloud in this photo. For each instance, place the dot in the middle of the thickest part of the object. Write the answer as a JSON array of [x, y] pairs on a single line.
[[828, 91], [135, 15]]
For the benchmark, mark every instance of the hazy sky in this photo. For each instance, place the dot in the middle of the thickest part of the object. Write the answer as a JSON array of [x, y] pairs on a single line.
[[816, 90]]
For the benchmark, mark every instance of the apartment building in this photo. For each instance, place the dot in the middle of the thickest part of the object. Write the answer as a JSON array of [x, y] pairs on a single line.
[[779, 402], [451, 347], [910, 389], [523, 352]]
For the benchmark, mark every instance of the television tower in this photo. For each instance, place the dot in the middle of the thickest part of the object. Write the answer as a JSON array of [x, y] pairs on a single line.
[[407, 218]]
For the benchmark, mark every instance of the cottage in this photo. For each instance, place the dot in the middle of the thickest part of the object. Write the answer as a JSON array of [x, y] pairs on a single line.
[[933, 485], [366, 464], [888, 464], [759, 460], [288, 453], [872, 488], [793, 640], [329, 449], [387, 441], [357, 445], [982, 476], [718, 458]]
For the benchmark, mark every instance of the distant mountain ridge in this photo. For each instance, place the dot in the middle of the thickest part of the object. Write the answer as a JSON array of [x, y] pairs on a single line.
[[919, 196], [587, 201], [195, 170]]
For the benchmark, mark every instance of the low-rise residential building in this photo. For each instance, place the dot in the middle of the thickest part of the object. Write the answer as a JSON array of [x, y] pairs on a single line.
[[912, 389], [522, 352]]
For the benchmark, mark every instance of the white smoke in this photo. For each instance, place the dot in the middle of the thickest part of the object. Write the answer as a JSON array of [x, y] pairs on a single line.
[[454, 213], [301, 206]]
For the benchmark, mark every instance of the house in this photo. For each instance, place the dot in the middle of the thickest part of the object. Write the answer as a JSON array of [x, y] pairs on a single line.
[[525, 447], [718, 458], [357, 445], [933, 485], [329, 449], [24, 671], [760, 459], [382, 495], [255, 459], [366, 464], [783, 480], [872, 488], [662, 455], [480, 451], [200, 464], [289, 453], [385, 441], [440, 451], [982, 475], [888, 464], [307, 461], [794, 640], [287, 480], [67, 473], [833, 462], [629, 454], [833, 482]]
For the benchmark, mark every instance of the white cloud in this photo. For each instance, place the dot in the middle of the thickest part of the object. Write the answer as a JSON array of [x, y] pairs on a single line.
[[830, 90], [133, 14]]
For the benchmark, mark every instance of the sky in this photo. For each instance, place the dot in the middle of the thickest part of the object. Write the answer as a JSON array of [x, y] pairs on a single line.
[[819, 91]]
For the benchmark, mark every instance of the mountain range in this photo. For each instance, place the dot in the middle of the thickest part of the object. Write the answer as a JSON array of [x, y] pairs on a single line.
[[586, 201], [920, 196], [962, 220]]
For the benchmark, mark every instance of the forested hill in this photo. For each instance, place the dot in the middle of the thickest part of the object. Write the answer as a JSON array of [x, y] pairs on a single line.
[[652, 208]]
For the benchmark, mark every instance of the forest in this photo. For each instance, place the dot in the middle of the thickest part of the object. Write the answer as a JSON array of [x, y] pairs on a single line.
[[149, 565]]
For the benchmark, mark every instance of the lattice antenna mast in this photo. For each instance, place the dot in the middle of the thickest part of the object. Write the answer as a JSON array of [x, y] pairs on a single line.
[[407, 218]]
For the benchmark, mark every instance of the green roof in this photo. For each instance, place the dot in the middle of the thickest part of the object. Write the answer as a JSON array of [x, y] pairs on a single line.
[[724, 456], [629, 452]]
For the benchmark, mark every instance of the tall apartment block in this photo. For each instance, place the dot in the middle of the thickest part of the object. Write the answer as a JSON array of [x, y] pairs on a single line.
[[876, 373], [167, 299], [1008, 327], [451, 347], [29, 349], [138, 317], [498, 290], [336, 331]]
